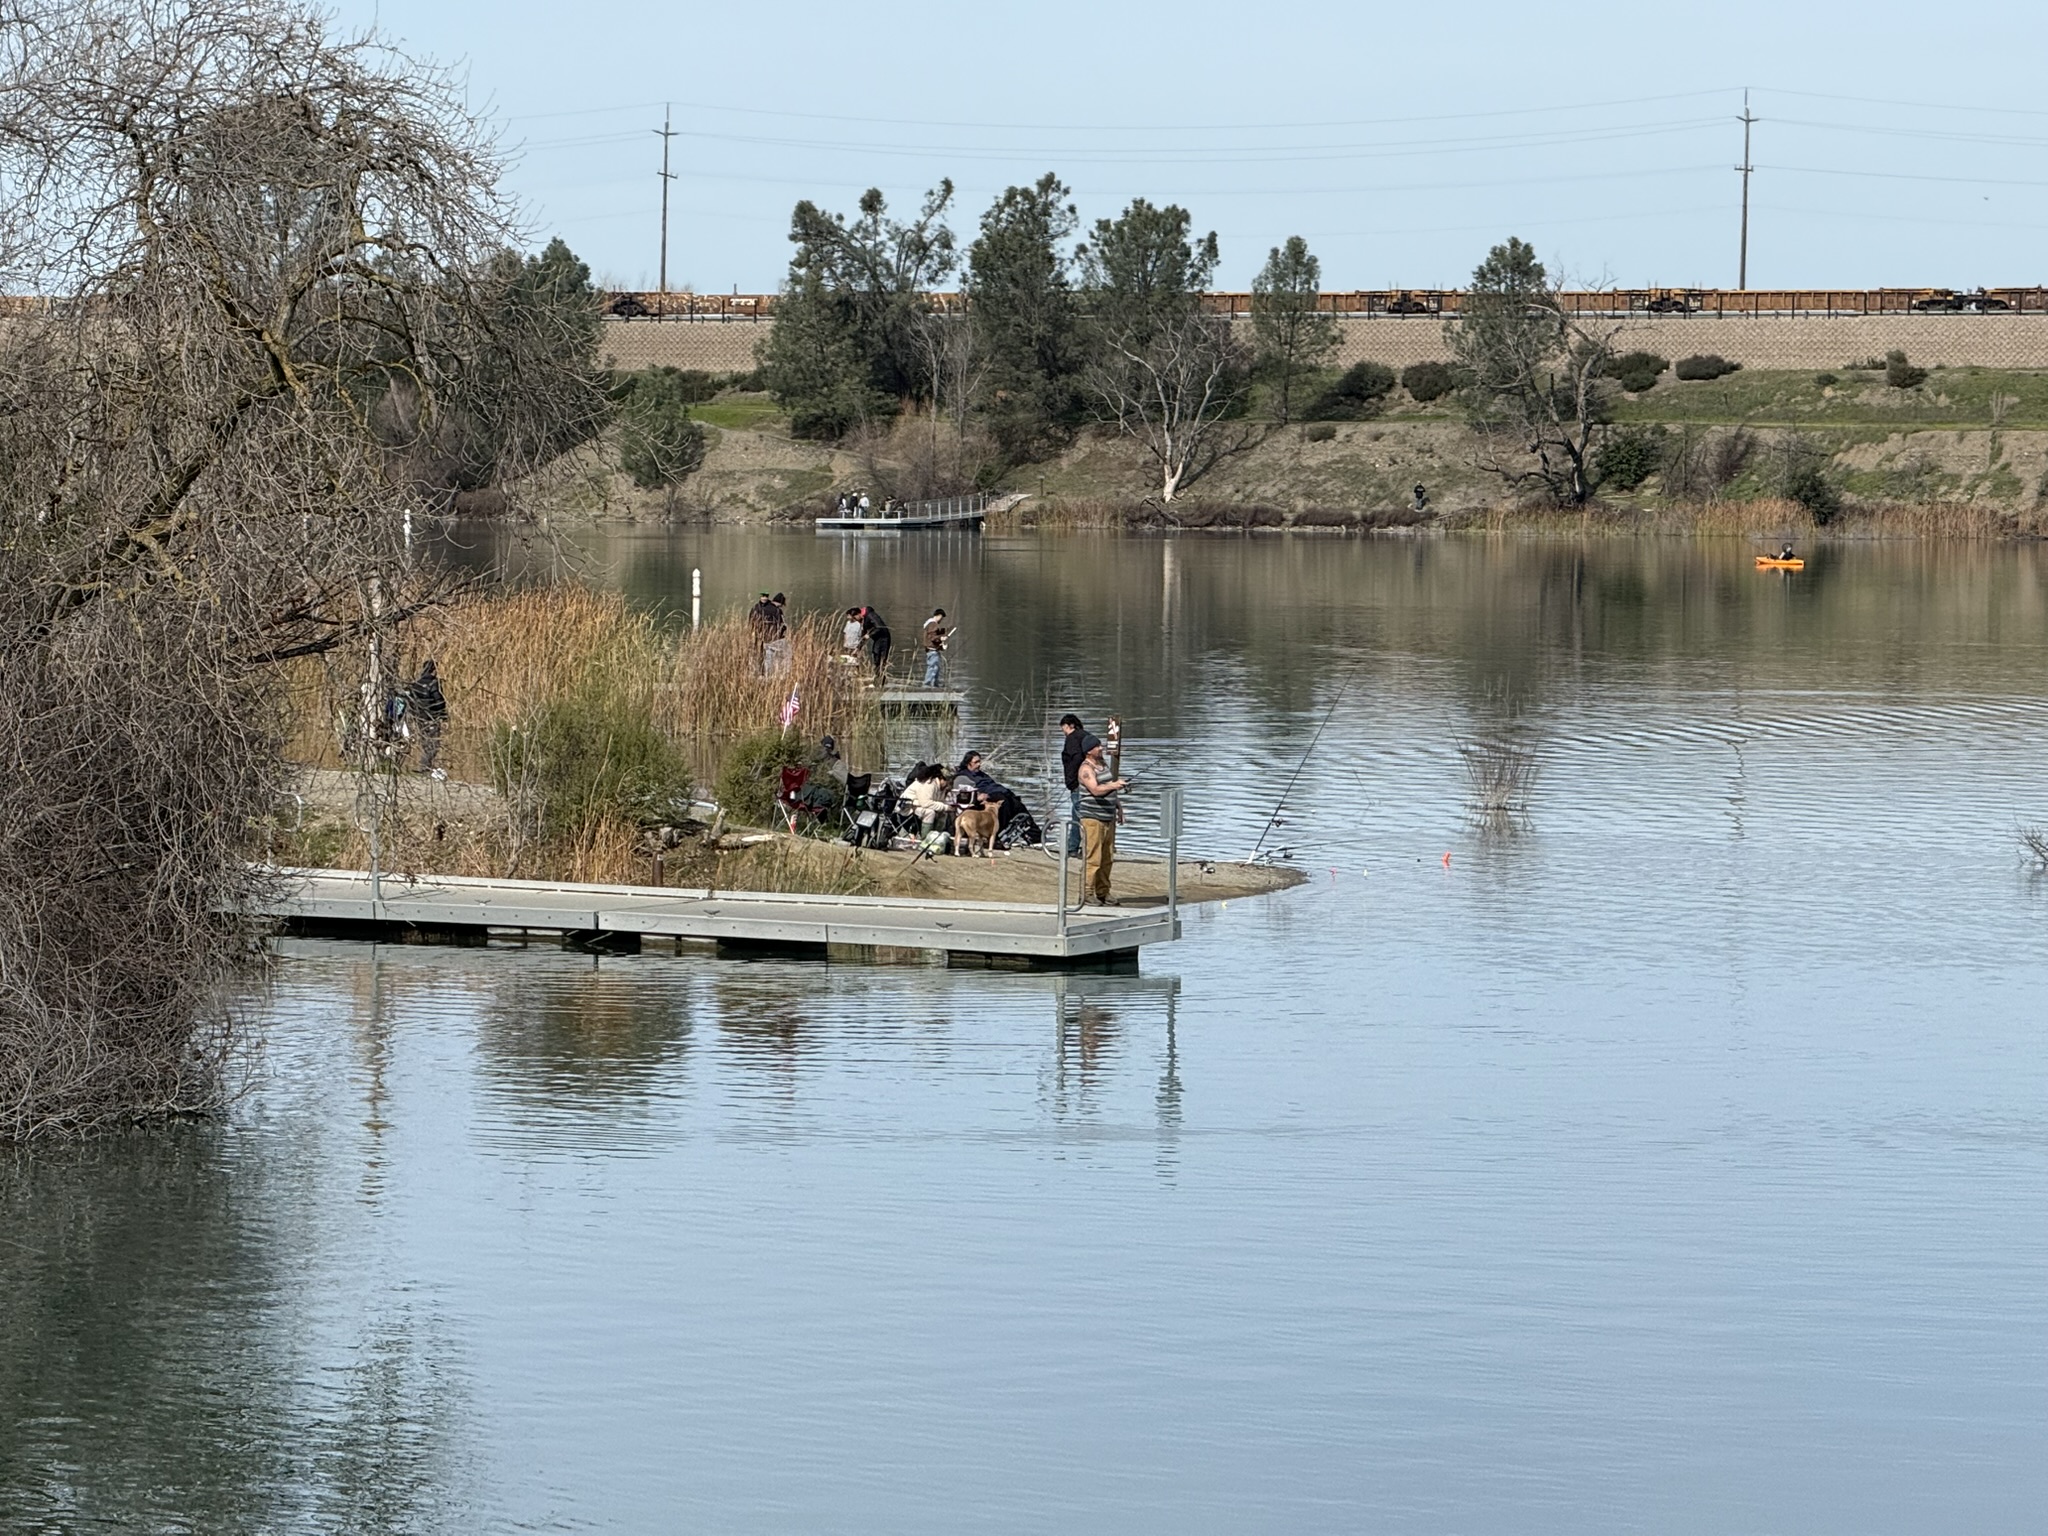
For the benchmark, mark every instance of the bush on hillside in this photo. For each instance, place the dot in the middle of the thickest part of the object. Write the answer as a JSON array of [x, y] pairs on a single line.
[[1629, 457], [1704, 365], [1359, 393], [1826, 380], [1812, 489], [1430, 381], [1319, 432], [659, 445], [1901, 374], [1636, 371]]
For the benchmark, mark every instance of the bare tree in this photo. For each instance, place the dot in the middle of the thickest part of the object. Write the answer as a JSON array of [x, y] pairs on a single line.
[[1538, 393], [271, 262], [1173, 388]]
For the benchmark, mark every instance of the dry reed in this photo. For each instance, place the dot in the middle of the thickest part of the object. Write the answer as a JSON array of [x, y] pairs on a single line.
[[504, 661]]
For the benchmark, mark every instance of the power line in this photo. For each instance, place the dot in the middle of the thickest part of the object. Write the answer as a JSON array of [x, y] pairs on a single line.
[[1356, 122]]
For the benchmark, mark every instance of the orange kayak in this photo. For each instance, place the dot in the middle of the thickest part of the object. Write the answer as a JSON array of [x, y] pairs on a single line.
[[1773, 563]]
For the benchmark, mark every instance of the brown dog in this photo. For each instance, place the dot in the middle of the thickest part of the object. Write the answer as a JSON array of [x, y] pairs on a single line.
[[976, 826]]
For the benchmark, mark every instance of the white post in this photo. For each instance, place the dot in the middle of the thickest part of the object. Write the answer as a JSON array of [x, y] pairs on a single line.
[[1169, 813], [696, 597], [1062, 926]]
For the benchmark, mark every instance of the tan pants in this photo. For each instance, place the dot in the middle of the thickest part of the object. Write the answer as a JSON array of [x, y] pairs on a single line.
[[1098, 850]]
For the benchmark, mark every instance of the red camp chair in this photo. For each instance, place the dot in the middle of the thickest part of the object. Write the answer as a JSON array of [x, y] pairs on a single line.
[[793, 782]]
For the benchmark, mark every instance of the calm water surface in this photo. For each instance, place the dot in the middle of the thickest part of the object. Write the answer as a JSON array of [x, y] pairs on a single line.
[[1675, 1159]]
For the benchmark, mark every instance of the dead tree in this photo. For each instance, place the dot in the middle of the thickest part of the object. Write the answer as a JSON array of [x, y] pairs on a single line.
[[1173, 387], [269, 259]]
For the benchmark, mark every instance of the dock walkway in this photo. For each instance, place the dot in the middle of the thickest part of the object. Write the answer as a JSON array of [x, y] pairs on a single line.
[[351, 903]]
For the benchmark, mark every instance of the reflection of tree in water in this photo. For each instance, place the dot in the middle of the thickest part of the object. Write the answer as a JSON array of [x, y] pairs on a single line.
[[605, 1034], [154, 1372]]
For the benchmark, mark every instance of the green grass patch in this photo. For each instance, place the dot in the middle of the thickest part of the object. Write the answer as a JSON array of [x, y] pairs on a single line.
[[737, 412], [1962, 398]]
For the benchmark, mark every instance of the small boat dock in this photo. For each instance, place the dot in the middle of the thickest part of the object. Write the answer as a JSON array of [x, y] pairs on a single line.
[[920, 703], [955, 512], [339, 903]]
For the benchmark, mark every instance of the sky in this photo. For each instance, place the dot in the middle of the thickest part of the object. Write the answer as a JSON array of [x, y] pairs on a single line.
[[1897, 145]]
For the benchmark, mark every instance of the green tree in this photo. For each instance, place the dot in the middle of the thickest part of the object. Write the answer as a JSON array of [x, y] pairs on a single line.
[[501, 415], [659, 445], [1161, 370], [1021, 304], [1292, 335], [1142, 272], [1536, 395], [845, 345]]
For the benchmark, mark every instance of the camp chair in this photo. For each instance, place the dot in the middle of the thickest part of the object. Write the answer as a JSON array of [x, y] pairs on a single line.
[[793, 782]]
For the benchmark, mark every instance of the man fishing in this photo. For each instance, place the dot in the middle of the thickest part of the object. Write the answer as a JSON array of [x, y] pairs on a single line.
[[1102, 812]]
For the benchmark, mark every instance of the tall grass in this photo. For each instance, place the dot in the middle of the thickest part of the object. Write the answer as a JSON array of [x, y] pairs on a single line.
[[576, 720]]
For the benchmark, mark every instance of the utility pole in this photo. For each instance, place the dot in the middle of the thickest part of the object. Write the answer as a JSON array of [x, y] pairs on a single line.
[[1742, 270], [668, 133]]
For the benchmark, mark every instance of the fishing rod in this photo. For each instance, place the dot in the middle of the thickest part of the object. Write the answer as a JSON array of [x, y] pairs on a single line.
[[1273, 820]]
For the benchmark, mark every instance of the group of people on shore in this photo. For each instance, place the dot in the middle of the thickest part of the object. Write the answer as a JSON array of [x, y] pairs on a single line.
[[933, 796]]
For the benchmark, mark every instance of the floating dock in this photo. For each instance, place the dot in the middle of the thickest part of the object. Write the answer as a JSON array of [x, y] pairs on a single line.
[[339, 903], [958, 512], [920, 703]]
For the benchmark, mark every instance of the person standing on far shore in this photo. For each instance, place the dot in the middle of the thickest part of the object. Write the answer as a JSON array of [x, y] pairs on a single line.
[[934, 646], [431, 706], [1102, 811]]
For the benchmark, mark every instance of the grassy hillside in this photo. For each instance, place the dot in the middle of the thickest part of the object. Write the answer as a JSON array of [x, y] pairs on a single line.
[[1974, 437]]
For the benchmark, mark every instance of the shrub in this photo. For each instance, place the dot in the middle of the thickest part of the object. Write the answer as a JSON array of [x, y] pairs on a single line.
[[1814, 491], [1826, 380], [1430, 381], [1636, 371], [1325, 517], [589, 757], [1901, 374], [752, 774], [1320, 432], [1704, 365], [1629, 457], [659, 445], [1357, 394]]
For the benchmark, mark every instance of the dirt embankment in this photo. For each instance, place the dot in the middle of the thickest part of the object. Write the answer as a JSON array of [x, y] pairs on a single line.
[[1973, 438]]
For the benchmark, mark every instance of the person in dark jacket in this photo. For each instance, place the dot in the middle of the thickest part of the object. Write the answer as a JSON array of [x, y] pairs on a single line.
[[987, 788], [429, 707], [876, 629], [1072, 750]]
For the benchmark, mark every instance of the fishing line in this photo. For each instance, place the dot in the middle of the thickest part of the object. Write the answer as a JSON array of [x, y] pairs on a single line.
[[1273, 820]]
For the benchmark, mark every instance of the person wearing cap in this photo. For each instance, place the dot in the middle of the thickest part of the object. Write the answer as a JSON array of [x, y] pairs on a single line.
[[1102, 811]]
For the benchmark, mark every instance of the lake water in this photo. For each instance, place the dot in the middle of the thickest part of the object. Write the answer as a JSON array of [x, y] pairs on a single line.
[[1675, 1158]]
